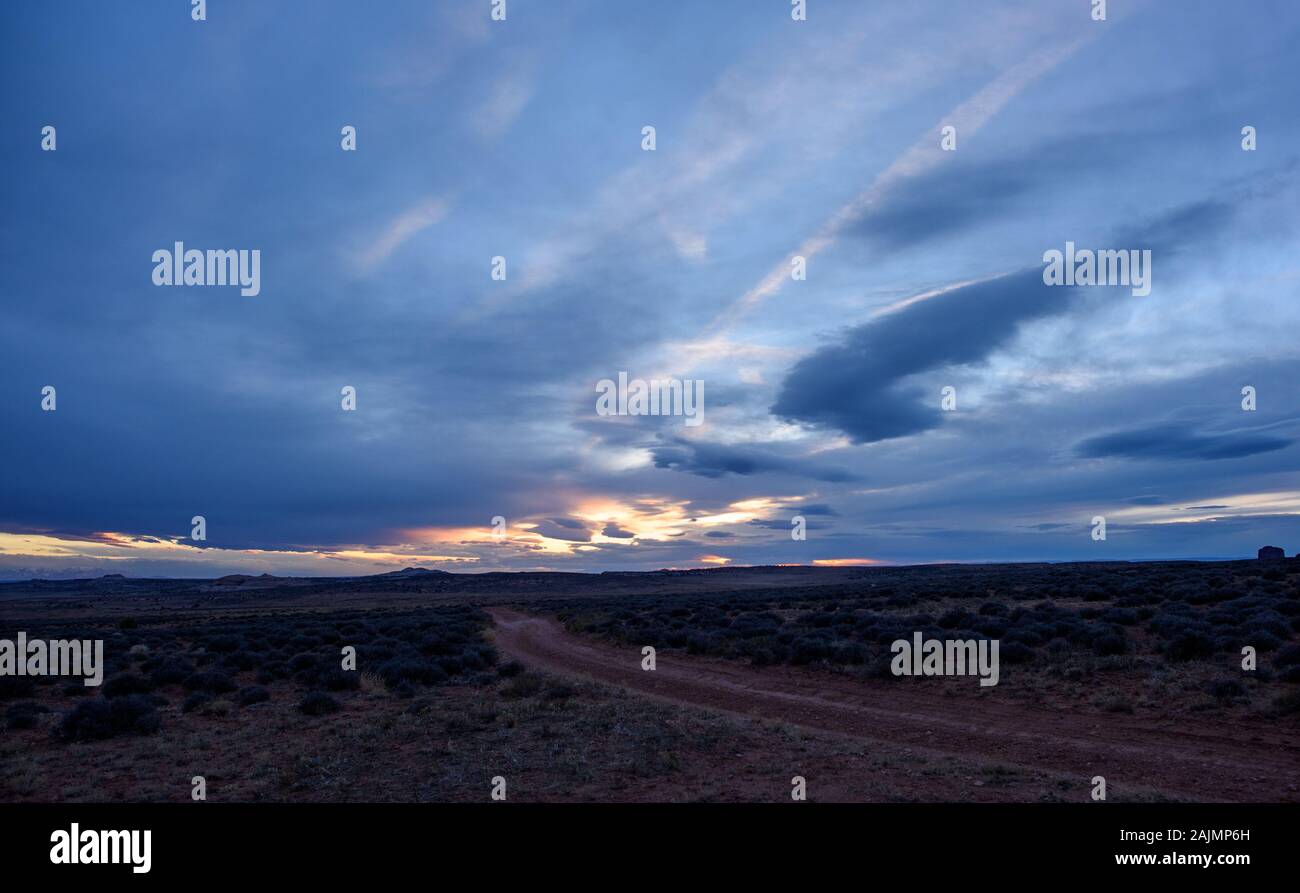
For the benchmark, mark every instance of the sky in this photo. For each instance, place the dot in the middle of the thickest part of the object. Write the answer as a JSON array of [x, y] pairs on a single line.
[[522, 139]]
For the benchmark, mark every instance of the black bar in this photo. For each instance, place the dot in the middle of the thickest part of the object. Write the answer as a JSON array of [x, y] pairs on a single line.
[[241, 842]]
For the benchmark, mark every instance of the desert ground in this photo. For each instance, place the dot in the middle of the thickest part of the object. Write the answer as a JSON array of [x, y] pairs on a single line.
[[1132, 672]]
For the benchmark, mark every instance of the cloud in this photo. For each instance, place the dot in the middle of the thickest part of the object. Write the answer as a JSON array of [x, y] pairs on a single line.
[[783, 524], [858, 385], [408, 223], [1174, 441], [509, 95], [924, 154], [563, 529], [716, 460], [616, 532], [1177, 231], [965, 193]]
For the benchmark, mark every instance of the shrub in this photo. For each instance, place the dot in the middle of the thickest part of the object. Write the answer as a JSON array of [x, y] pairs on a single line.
[[1117, 705], [1223, 689], [317, 703], [195, 701], [104, 718], [1109, 643], [991, 626], [1261, 639], [336, 679], [23, 715], [16, 687], [452, 666], [171, 670], [476, 657], [253, 694], [127, 684], [808, 649], [301, 662], [224, 644], [1023, 637], [1287, 704], [1189, 646], [411, 671], [1015, 653], [522, 687], [954, 618], [212, 681], [216, 707], [510, 669], [1123, 616], [239, 661]]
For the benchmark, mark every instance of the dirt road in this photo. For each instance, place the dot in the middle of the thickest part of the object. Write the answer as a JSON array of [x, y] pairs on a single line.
[[1186, 758]]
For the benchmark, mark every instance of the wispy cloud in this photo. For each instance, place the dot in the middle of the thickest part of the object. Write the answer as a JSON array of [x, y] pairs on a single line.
[[506, 99], [410, 222], [924, 154]]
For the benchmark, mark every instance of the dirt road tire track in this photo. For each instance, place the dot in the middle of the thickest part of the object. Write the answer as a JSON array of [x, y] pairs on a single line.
[[1191, 758]]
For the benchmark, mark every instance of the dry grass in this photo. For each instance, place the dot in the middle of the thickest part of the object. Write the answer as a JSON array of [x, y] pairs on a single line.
[[560, 741]]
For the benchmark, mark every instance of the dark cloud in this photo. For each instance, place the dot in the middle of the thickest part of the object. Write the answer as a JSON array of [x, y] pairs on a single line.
[[1181, 229], [857, 385], [783, 523], [939, 204], [968, 193], [1147, 500], [556, 531], [860, 385], [1174, 441], [713, 460], [613, 530]]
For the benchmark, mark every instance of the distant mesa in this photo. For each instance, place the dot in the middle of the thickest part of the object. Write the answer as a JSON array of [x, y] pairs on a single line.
[[414, 572], [1271, 553]]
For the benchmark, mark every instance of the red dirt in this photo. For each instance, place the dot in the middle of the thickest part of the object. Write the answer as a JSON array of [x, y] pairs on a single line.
[[1196, 759]]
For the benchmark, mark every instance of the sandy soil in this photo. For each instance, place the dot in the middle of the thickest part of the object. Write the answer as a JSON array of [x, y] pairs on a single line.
[[1199, 759]]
